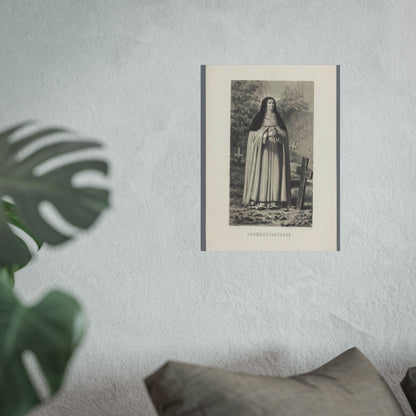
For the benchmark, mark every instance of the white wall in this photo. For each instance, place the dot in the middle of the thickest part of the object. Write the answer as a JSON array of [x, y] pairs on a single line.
[[128, 73]]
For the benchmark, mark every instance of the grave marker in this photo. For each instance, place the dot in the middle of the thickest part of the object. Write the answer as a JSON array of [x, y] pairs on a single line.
[[239, 156], [293, 146], [305, 174]]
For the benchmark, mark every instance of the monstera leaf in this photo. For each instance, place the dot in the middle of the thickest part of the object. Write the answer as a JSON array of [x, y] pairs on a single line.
[[20, 182], [12, 218], [52, 329]]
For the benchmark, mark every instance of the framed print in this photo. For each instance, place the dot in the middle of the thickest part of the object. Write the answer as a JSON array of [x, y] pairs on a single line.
[[269, 158]]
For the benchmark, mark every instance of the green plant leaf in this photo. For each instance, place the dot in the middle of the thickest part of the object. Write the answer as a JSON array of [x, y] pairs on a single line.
[[80, 206], [7, 276], [51, 329], [12, 218]]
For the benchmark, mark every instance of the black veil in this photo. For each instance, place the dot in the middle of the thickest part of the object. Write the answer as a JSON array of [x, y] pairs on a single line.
[[258, 119]]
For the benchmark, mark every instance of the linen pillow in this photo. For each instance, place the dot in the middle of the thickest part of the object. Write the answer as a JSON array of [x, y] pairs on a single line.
[[349, 385]]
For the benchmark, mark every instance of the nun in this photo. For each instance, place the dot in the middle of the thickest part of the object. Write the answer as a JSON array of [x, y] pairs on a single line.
[[267, 170]]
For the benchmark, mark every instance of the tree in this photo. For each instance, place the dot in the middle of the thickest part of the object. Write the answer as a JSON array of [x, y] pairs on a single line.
[[292, 100], [244, 106]]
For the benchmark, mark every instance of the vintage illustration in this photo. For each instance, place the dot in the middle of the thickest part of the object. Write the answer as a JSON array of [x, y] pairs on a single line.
[[269, 146], [271, 153]]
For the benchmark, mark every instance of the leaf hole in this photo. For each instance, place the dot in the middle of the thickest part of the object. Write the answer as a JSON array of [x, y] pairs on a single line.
[[38, 144], [27, 239], [50, 214], [35, 374], [64, 159], [89, 178]]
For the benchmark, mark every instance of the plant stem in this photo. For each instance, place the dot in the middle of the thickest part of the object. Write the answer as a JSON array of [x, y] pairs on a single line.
[[7, 275]]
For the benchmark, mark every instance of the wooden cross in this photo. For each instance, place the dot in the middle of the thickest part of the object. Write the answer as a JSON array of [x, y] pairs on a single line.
[[239, 156], [305, 174]]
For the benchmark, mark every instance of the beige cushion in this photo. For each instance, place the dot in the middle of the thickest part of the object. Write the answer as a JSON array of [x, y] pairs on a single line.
[[349, 385], [409, 387]]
